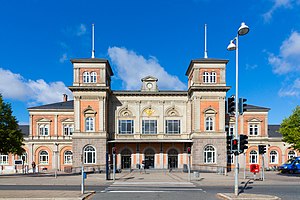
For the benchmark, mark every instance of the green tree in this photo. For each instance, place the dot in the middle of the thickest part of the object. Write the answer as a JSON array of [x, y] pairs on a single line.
[[11, 137], [290, 129]]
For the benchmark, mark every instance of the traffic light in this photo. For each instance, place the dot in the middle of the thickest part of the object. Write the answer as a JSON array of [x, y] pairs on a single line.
[[231, 105], [242, 105], [234, 145], [243, 143], [261, 149], [189, 150], [114, 150], [229, 148]]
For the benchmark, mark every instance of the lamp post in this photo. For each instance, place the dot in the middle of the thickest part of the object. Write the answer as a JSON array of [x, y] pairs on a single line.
[[243, 30]]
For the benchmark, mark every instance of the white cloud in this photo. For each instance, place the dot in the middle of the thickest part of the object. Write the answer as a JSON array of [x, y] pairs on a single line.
[[63, 58], [292, 90], [14, 86], [279, 4], [288, 59], [131, 68], [81, 30]]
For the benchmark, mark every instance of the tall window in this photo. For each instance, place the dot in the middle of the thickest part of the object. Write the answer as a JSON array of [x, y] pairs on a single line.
[[44, 157], [68, 157], [205, 77], [209, 154], [209, 124], [291, 154], [126, 127], [93, 77], [253, 129], [213, 77], [89, 124], [3, 159], [253, 157], [86, 77], [89, 155], [173, 126], [273, 157], [44, 130], [149, 126], [68, 129]]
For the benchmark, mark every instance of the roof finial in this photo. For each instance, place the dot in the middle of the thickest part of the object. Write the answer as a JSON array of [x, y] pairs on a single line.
[[93, 41], [205, 48]]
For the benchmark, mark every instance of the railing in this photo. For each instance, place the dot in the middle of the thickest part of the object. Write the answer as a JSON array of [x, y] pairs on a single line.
[[210, 168]]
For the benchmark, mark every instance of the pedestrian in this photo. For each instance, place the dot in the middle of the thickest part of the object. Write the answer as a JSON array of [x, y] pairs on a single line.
[[33, 166]]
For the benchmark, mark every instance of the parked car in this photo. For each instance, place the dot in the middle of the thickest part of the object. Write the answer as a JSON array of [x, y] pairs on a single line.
[[291, 166]]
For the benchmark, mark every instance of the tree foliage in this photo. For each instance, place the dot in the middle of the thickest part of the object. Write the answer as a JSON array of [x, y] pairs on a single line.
[[290, 129], [11, 137]]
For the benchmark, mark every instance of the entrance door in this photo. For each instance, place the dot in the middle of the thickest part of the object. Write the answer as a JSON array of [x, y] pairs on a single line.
[[126, 159], [173, 159], [149, 159]]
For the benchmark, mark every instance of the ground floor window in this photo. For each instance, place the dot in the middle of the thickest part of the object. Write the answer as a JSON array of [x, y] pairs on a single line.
[[68, 157], [291, 154], [273, 157], [209, 154], [253, 157], [89, 155], [44, 158], [3, 159]]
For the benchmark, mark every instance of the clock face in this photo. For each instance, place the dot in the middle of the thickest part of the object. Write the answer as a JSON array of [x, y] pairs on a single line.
[[149, 85]]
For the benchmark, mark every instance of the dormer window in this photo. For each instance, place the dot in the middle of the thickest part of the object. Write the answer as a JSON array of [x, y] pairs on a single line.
[[89, 77], [209, 77], [86, 77]]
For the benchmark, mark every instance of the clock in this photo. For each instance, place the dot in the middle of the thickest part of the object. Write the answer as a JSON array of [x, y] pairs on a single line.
[[149, 85]]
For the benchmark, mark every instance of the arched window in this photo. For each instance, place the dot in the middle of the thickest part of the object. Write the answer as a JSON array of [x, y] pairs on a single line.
[[209, 124], [86, 77], [209, 154], [89, 124], [205, 77], [93, 77], [291, 154], [253, 157], [44, 157], [213, 77], [273, 157], [44, 130], [89, 155], [68, 157]]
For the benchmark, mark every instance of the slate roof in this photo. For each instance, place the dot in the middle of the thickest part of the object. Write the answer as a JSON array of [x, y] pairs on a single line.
[[54, 106], [256, 108], [273, 131], [24, 129]]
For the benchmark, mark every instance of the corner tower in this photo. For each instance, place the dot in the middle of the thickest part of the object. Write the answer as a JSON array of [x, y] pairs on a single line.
[[91, 89]]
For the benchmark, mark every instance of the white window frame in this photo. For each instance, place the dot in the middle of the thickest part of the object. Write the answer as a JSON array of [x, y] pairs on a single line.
[[128, 123], [209, 123], [148, 123], [273, 157], [3, 159], [68, 158], [43, 159], [209, 154], [89, 124], [213, 77], [93, 77], [89, 155], [171, 125], [86, 77], [253, 157], [206, 77], [254, 129], [43, 129], [68, 129], [291, 155]]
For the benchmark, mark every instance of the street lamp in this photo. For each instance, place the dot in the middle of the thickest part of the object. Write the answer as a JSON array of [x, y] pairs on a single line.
[[243, 30]]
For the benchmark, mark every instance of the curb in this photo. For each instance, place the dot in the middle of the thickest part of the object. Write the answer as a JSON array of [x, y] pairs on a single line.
[[243, 196]]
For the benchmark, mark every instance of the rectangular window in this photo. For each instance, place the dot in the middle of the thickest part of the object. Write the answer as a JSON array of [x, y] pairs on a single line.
[[3, 159], [253, 129], [149, 126], [68, 130], [126, 127], [173, 126], [44, 130]]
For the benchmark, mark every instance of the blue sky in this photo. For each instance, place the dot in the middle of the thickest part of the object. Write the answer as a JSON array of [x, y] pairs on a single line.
[[157, 37]]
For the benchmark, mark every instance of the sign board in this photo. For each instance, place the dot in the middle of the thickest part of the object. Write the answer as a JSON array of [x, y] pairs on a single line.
[[18, 162]]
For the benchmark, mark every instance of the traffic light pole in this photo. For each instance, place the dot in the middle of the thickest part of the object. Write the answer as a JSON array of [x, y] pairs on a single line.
[[236, 170]]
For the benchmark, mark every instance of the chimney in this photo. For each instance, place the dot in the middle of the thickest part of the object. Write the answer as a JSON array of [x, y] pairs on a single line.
[[65, 98]]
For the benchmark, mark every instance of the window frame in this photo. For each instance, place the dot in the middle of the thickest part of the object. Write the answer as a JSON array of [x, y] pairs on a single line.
[[206, 77], [253, 155], [89, 155], [273, 156], [68, 129], [289, 154], [253, 129], [209, 153], [89, 124], [213, 77], [43, 161], [43, 129], [93, 77], [175, 124], [130, 126], [68, 158], [86, 77], [149, 123], [209, 123], [3, 159]]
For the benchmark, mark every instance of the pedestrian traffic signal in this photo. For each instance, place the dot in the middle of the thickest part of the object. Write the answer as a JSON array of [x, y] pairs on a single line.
[[242, 105], [231, 105], [114, 150], [229, 140], [243, 143], [262, 149], [189, 150]]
